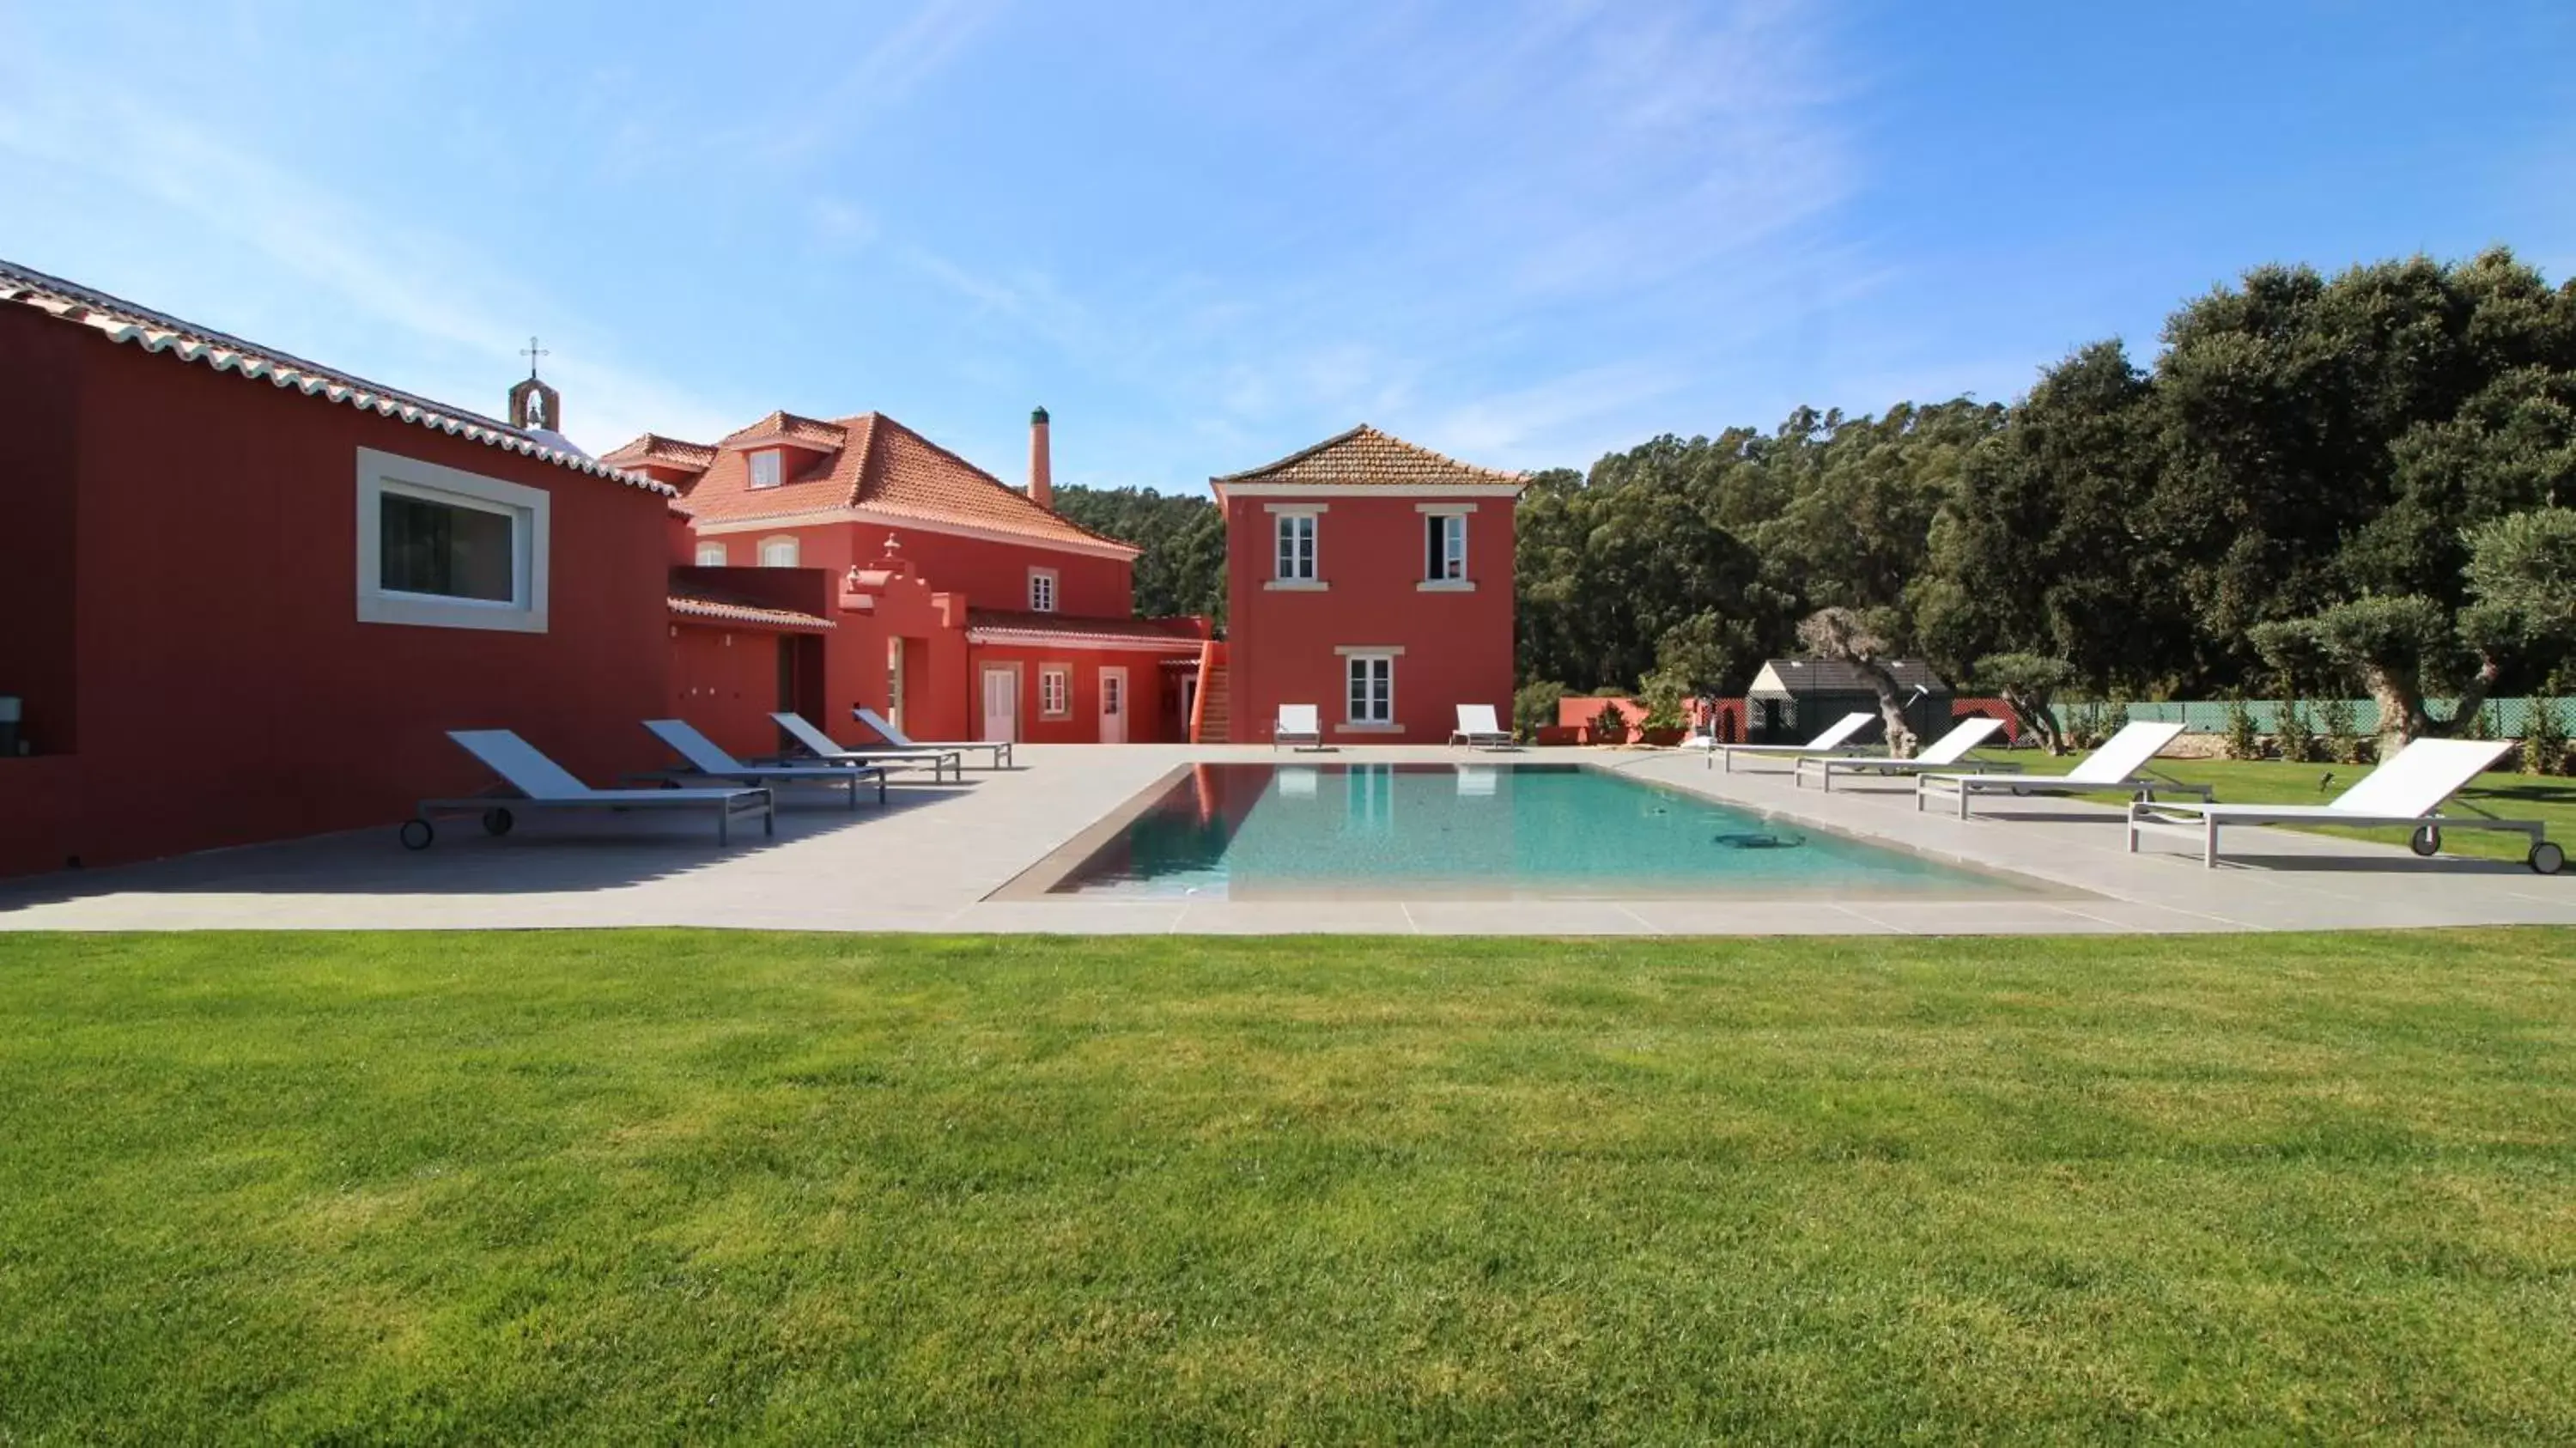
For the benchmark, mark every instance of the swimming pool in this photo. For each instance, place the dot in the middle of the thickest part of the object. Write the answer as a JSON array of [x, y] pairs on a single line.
[[1470, 831]]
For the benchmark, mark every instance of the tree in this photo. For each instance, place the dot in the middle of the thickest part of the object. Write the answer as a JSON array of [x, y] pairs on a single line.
[[1182, 570], [1841, 633], [2028, 685]]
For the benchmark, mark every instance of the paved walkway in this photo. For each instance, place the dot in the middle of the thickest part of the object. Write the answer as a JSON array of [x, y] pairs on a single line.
[[929, 863]]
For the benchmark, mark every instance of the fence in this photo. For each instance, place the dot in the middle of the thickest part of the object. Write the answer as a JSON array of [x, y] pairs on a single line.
[[2507, 718]]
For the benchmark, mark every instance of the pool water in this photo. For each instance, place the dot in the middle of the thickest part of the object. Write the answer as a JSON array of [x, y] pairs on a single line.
[[1261, 831]]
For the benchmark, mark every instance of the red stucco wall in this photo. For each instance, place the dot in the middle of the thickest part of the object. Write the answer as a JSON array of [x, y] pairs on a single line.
[[39, 409], [989, 573], [1369, 547], [227, 692]]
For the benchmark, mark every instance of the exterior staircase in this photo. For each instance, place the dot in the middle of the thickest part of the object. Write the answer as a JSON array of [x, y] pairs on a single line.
[[1211, 719]]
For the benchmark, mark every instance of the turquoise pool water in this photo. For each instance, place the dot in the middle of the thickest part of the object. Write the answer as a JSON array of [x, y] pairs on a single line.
[[1255, 831]]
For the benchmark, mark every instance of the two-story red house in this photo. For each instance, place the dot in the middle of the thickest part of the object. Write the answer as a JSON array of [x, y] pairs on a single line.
[[961, 608], [1373, 579]]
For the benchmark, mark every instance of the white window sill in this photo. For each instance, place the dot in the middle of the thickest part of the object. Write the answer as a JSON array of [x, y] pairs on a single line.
[[1445, 585], [1346, 727], [1295, 585]]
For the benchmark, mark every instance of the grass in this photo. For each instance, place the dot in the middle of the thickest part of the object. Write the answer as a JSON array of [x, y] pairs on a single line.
[[703, 1187], [2264, 781]]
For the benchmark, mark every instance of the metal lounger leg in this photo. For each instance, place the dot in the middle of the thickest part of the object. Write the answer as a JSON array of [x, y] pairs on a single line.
[[2209, 842]]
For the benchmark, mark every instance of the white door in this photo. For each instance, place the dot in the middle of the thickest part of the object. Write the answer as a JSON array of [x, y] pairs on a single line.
[[1001, 705], [1113, 706]]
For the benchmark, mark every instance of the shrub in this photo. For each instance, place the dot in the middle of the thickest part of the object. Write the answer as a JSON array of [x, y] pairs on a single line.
[[2296, 740], [1662, 692], [2480, 725], [1609, 691], [2342, 745], [2544, 739], [1534, 707], [2243, 741], [1610, 726]]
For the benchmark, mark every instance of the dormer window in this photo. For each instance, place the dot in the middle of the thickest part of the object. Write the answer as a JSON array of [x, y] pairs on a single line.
[[1042, 590], [765, 468]]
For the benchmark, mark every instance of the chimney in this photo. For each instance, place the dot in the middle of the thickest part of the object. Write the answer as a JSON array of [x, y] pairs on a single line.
[[1041, 471]]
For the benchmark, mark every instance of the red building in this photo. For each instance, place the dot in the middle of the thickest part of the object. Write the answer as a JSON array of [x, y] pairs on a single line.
[[950, 602], [1370, 578], [246, 594]]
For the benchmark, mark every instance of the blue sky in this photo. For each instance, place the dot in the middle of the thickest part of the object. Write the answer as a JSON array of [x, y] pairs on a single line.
[[1205, 235]]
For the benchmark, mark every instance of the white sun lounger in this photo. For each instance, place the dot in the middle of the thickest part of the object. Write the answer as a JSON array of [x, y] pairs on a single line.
[[707, 760], [1825, 743], [1478, 729], [1943, 752], [2407, 790], [1297, 728], [2117, 765], [531, 781], [820, 745], [887, 731]]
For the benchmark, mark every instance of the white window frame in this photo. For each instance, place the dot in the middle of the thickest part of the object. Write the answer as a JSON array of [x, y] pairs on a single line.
[[1289, 563], [768, 469], [1044, 590], [531, 540], [712, 555], [1352, 665], [1058, 680], [1451, 565], [786, 541]]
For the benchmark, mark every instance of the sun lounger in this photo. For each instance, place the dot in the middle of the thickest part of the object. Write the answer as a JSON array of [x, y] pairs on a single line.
[[820, 747], [1826, 743], [887, 731], [1478, 729], [1942, 753], [706, 760], [2116, 766], [2406, 790], [531, 781], [1297, 728]]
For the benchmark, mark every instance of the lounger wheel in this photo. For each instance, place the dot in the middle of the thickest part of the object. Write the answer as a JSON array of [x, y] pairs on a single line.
[[2546, 858], [417, 833], [497, 821], [2426, 841]]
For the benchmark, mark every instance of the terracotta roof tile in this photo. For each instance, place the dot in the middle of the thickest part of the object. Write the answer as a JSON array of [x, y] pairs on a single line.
[[887, 468], [693, 601], [1367, 458], [123, 321], [982, 624], [787, 427], [660, 451]]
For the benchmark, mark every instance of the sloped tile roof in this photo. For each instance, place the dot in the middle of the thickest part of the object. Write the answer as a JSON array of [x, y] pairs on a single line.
[[787, 427], [1834, 676], [985, 625], [123, 321], [695, 601], [1367, 458], [887, 468], [661, 451]]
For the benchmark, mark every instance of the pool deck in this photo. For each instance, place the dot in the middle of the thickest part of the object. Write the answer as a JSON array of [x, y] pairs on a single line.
[[930, 861]]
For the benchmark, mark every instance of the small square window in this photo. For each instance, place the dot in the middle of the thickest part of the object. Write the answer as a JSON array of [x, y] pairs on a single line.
[[1042, 590], [1055, 691], [1372, 689], [778, 553], [764, 469], [711, 555]]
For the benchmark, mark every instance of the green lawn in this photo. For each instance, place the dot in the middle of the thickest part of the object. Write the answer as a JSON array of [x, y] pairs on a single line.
[[2551, 799], [700, 1187]]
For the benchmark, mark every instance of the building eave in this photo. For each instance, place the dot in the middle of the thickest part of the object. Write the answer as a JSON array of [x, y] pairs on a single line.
[[824, 517]]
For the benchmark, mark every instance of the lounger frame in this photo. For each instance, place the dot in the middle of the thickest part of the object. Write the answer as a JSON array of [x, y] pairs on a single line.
[[895, 737], [1474, 735], [703, 759], [1281, 735], [2543, 857], [499, 807], [948, 757], [1968, 786]]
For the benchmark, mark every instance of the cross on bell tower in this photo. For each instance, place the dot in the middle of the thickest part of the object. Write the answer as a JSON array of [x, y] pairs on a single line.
[[534, 405]]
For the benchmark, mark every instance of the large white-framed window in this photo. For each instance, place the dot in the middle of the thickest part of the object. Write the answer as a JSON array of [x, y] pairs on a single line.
[[711, 555], [1042, 584], [1295, 555], [765, 468], [779, 552], [438, 547], [1055, 691], [1370, 697], [1444, 547]]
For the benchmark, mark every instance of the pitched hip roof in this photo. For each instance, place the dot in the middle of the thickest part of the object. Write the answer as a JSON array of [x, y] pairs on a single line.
[[1367, 458], [1835, 676], [869, 463], [123, 321]]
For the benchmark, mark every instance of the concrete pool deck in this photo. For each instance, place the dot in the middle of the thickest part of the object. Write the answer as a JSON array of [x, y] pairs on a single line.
[[930, 861]]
